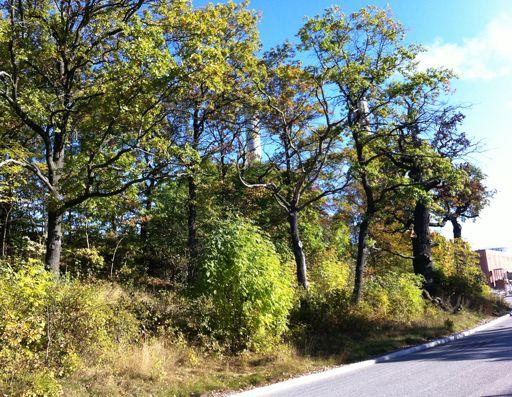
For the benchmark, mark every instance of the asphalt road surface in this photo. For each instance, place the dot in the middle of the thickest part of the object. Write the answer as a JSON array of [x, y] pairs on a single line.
[[478, 365]]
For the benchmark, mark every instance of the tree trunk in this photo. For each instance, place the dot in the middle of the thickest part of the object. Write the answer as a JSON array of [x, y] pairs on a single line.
[[298, 251], [361, 131], [5, 211], [148, 257], [457, 228], [362, 254], [144, 224], [147, 205], [422, 246], [54, 242], [55, 162], [192, 230]]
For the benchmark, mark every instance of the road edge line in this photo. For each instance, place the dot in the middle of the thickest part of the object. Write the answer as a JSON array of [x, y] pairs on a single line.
[[329, 373]]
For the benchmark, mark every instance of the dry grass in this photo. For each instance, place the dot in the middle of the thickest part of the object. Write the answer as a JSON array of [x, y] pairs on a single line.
[[160, 367]]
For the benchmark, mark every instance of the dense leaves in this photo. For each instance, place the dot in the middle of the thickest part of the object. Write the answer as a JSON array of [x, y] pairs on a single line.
[[250, 287], [152, 143]]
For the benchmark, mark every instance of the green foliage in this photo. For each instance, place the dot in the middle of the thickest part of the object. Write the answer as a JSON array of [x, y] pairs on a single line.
[[250, 290], [47, 327], [458, 269], [394, 296], [23, 294], [330, 274], [85, 262], [326, 321], [322, 312]]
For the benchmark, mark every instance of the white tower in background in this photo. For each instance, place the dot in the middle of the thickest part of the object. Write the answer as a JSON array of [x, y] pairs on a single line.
[[364, 114], [253, 141]]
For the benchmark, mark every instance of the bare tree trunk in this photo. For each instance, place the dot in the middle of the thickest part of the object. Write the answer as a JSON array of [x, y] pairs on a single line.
[[55, 217], [422, 246], [55, 162], [457, 228], [192, 230], [5, 212], [362, 254], [298, 251], [54, 242], [148, 257]]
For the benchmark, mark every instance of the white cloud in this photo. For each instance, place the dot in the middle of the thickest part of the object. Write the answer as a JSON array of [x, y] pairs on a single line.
[[485, 56]]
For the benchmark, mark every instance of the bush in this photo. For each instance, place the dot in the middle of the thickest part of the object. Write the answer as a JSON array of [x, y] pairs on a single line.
[[24, 294], [330, 274], [47, 327], [85, 263], [395, 296], [250, 291], [323, 311], [458, 270], [87, 319]]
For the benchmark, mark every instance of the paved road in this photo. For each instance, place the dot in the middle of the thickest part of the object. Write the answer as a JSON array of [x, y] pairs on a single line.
[[479, 365]]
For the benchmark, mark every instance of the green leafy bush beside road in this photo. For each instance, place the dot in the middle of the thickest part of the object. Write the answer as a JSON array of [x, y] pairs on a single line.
[[48, 327], [251, 291], [395, 296]]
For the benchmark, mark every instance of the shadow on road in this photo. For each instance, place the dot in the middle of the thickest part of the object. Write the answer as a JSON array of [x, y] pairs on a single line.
[[492, 345]]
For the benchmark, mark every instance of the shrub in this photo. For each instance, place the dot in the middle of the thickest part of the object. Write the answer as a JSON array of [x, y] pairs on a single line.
[[85, 263], [330, 274], [323, 311], [48, 326], [327, 317], [250, 291], [86, 319], [23, 294], [458, 270], [395, 296]]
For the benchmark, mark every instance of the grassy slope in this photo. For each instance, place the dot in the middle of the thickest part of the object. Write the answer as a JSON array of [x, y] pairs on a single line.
[[162, 368]]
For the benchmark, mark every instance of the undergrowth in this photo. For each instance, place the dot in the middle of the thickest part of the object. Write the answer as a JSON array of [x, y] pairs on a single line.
[[80, 338]]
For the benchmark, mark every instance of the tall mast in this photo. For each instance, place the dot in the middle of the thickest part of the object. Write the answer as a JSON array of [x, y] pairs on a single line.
[[253, 141]]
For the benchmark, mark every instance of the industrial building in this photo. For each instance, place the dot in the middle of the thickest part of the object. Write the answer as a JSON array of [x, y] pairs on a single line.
[[496, 263]]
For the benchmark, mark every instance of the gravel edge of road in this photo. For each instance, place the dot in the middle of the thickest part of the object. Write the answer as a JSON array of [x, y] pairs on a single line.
[[329, 373]]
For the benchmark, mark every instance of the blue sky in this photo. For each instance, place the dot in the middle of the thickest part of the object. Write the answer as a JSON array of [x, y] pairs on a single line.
[[473, 37]]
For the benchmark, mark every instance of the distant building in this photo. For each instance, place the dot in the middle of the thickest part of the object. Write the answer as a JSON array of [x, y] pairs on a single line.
[[497, 266]]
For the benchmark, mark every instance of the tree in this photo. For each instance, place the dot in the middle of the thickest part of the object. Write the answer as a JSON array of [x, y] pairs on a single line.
[[215, 46], [83, 80], [427, 147], [307, 162], [360, 56]]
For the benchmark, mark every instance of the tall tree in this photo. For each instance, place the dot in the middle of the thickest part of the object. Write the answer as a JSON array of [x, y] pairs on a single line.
[[215, 46], [428, 145], [83, 78], [360, 56], [305, 162]]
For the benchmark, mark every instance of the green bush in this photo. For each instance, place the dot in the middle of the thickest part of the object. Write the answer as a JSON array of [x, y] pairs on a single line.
[[458, 270], [251, 293], [394, 296], [330, 274], [47, 327], [85, 263], [323, 311], [87, 319], [23, 297]]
